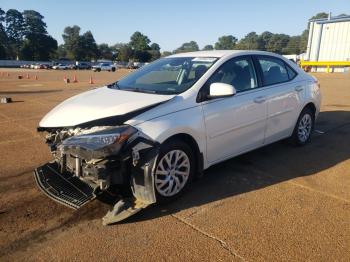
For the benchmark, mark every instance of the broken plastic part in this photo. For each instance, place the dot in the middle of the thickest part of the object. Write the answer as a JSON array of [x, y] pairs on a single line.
[[142, 185], [123, 209]]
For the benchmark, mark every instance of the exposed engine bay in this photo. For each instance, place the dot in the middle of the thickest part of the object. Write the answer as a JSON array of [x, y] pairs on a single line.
[[92, 161]]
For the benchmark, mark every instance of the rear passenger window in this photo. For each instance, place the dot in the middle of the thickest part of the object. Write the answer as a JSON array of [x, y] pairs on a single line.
[[291, 72], [274, 70]]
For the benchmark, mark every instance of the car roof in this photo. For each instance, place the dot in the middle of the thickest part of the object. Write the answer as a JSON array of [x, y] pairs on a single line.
[[221, 53]]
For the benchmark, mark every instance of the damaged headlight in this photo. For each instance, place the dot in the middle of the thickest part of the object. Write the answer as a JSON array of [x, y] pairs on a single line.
[[108, 141]]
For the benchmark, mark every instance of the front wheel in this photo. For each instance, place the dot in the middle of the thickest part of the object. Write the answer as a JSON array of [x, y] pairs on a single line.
[[303, 128], [174, 171]]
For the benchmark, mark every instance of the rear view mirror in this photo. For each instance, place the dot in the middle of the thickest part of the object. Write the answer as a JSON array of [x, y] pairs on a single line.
[[217, 90]]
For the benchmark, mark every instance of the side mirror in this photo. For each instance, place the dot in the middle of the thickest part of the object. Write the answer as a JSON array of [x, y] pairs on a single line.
[[217, 90]]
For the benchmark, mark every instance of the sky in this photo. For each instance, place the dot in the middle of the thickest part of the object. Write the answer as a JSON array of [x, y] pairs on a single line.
[[171, 23]]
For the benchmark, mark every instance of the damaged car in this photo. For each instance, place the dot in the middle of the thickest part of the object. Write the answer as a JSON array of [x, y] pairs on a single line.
[[144, 138]]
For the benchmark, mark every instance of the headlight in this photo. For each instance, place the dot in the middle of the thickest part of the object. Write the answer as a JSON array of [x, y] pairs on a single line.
[[109, 140]]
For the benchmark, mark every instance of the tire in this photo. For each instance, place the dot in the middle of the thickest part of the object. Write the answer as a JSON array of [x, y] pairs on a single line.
[[170, 182], [303, 128], [113, 69]]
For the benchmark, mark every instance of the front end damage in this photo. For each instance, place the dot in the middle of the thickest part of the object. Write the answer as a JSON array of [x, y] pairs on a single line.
[[90, 162]]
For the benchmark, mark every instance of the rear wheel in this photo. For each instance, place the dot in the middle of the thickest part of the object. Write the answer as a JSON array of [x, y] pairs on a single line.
[[175, 170], [303, 128]]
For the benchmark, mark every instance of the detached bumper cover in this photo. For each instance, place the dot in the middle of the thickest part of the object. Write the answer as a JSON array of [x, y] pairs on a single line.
[[64, 188]]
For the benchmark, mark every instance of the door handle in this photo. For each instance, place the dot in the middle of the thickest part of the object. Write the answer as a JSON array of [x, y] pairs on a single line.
[[299, 88], [260, 99]]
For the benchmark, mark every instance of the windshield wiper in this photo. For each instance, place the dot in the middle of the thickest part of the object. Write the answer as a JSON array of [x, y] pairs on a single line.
[[114, 85], [140, 90]]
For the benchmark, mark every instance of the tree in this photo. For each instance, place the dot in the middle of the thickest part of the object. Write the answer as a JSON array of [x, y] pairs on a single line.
[[226, 42], [319, 16], [88, 46], [187, 47], [250, 42], [142, 56], [155, 46], [265, 38], [154, 52], [33, 22], [208, 47], [73, 42], [277, 43], [37, 44], [79, 47], [166, 53], [15, 29], [140, 42], [61, 52], [105, 51], [293, 46], [38, 47], [124, 52], [3, 37]]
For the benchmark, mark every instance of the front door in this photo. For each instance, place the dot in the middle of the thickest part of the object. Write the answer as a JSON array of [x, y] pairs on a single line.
[[235, 124]]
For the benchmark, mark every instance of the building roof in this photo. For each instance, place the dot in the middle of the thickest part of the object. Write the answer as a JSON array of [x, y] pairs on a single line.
[[331, 19]]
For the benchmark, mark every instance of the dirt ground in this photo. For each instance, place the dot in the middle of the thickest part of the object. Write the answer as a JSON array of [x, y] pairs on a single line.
[[276, 203]]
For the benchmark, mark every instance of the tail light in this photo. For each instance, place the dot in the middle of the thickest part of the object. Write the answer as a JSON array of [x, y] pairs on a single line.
[[318, 84]]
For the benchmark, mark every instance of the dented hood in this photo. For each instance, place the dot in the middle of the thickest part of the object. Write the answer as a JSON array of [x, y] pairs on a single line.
[[100, 103]]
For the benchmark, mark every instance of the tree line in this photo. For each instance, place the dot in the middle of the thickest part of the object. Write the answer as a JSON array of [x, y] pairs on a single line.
[[23, 35]]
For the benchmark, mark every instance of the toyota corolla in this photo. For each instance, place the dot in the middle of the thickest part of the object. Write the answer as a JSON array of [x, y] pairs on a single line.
[[144, 138]]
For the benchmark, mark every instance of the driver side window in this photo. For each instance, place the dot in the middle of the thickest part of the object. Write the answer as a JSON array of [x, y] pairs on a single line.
[[238, 72]]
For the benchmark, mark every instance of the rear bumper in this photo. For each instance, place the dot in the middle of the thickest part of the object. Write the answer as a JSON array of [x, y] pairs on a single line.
[[64, 188]]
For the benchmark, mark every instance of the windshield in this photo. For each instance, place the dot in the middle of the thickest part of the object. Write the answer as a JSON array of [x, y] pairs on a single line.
[[167, 75]]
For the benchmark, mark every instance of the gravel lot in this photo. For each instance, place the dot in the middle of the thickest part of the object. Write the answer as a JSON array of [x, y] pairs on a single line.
[[276, 203]]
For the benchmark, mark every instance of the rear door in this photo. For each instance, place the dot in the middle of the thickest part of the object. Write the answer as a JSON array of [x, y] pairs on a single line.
[[235, 124], [284, 96]]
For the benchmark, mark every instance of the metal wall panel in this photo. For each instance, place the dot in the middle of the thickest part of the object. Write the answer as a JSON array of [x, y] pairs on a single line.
[[335, 42], [329, 40]]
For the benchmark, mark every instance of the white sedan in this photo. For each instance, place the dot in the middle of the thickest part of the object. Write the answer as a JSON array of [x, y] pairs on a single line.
[[158, 127], [60, 67]]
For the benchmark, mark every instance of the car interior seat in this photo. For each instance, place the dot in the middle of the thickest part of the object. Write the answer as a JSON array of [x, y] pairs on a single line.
[[199, 71], [274, 75]]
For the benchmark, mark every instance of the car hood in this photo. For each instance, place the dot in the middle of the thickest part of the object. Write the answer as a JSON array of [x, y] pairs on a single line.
[[97, 104]]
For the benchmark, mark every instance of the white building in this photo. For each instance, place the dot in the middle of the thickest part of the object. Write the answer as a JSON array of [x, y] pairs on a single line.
[[329, 40]]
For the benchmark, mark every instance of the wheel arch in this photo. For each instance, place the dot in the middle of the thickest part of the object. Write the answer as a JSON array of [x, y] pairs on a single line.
[[188, 139], [312, 107]]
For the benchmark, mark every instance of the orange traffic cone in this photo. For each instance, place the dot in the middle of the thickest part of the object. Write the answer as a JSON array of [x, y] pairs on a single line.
[[66, 80], [75, 80], [27, 76], [91, 80], [36, 77], [8, 74]]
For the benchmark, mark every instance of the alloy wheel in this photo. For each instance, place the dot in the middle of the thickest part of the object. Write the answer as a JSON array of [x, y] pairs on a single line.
[[304, 128], [172, 173]]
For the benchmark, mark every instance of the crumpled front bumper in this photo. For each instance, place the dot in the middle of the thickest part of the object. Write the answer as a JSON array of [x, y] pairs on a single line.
[[69, 189], [64, 188]]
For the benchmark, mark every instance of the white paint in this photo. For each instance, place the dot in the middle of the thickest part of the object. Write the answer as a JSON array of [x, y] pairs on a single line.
[[98, 103], [222, 128]]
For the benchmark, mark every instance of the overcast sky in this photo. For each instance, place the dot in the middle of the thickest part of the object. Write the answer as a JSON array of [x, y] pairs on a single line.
[[171, 23]]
